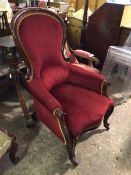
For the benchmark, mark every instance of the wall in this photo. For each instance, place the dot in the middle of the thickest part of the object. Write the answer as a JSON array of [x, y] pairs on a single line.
[[93, 4]]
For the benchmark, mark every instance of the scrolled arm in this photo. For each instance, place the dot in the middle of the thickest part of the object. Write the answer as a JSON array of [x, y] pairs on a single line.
[[59, 113], [86, 79], [86, 55], [71, 53], [38, 91]]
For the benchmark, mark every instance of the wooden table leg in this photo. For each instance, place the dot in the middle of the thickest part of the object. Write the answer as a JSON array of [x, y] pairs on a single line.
[[14, 75]]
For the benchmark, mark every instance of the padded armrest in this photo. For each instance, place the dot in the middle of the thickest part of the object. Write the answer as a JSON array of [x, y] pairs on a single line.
[[86, 55], [38, 91], [87, 79], [83, 54]]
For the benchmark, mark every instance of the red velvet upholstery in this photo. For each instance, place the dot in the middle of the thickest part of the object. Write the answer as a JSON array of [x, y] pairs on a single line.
[[56, 83], [42, 42], [44, 115], [78, 103], [86, 67], [86, 79]]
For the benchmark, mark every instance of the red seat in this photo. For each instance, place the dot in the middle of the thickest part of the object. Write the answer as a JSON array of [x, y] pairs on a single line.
[[68, 99], [73, 97]]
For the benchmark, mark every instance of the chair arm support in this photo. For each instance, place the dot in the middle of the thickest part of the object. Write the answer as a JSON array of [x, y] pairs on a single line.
[[87, 79], [39, 92], [86, 55], [58, 113]]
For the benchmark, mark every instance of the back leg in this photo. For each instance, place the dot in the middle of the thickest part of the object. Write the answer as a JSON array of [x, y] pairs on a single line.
[[106, 117]]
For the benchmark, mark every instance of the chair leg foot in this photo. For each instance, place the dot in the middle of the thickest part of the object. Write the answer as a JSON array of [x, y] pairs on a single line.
[[106, 117], [13, 151], [33, 116], [106, 125], [74, 161], [71, 152], [30, 120]]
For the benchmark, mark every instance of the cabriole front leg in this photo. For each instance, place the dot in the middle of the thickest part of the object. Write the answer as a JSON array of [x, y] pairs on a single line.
[[71, 152], [69, 140]]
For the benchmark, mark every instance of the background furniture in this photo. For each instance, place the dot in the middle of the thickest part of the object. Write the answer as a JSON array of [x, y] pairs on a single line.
[[74, 26], [13, 1], [93, 4], [107, 28], [6, 42], [4, 26], [117, 65], [11, 66], [124, 34], [8, 144], [63, 93], [11, 77]]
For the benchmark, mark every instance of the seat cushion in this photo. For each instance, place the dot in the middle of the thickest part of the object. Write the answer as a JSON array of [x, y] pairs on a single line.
[[85, 109]]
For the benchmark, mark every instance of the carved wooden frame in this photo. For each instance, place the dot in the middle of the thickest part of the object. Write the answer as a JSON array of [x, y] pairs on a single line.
[[70, 141]]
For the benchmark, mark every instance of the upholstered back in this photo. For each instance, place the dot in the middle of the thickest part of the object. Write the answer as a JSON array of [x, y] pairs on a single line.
[[41, 34]]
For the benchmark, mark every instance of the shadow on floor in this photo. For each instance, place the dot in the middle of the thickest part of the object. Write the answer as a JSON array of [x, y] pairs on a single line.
[[91, 133], [12, 120]]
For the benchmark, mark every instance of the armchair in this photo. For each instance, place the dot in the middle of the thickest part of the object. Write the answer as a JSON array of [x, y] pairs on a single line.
[[68, 99]]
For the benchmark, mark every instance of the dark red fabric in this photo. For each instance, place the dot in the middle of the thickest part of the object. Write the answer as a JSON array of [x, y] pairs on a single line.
[[53, 75], [41, 36], [85, 78], [84, 108], [39, 92], [86, 67], [45, 116]]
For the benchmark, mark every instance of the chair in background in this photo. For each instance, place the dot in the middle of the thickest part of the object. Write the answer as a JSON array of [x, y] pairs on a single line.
[[63, 93]]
